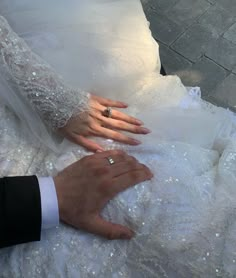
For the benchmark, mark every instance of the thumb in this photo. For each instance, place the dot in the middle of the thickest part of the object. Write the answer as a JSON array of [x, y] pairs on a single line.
[[109, 230]]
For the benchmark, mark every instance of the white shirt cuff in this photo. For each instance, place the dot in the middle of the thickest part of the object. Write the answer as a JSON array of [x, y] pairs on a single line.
[[49, 203]]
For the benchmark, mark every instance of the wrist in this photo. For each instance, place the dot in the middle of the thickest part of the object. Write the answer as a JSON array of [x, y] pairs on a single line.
[[60, 195]]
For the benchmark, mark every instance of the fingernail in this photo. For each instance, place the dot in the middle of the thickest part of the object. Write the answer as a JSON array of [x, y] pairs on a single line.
[[125, 104], [139, 122], [146, 130], [136, 142]]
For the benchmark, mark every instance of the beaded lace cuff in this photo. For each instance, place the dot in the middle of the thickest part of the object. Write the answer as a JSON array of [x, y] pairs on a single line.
[[37, 82]]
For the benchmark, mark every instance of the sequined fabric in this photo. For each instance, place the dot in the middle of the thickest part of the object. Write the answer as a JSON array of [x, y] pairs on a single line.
[[37, 82], [184, 218]]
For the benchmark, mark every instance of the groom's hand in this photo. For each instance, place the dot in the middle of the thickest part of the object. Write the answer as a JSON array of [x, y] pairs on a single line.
[[85, 187]]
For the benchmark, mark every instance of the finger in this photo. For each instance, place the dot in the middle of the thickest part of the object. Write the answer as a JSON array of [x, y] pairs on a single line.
[[124, 117], [111, 153], [109, 102], [98, 111], [125, 166], [117, 136], [118, 158], [86, 143], [121, 125], [129, 179], [99, 226]]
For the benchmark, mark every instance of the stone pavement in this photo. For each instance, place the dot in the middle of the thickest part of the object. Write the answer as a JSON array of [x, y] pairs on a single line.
[[197, 41]]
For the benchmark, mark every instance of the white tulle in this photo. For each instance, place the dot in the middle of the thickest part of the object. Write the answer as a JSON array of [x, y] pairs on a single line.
[[184, 218], [92, 46]]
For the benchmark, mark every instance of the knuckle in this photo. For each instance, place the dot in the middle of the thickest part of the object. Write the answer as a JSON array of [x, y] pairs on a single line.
[[90, 122], [94, 127], [137, 129], [111, 235], [123, 125]]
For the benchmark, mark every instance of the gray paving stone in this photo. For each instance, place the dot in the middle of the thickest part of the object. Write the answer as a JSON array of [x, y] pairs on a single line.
[[230, 35], [226, 91], [216, 20], [229, 5], [212, 1], [219, 103], [159, 5], [223, 53], [173, 62], [205, 74], [163, 28], [194, 42], [234, 70], [186, 11], [201, 47]]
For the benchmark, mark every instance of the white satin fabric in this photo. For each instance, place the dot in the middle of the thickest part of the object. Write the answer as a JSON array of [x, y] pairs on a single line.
[[185, 217]]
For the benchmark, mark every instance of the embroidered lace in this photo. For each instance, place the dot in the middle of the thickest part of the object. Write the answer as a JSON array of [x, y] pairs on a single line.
[[37, 82]]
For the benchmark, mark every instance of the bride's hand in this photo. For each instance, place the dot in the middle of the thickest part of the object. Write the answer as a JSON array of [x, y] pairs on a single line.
[[94, 123]]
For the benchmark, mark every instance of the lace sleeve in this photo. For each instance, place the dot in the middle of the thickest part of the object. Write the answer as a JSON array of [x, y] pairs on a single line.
[[37, 82]]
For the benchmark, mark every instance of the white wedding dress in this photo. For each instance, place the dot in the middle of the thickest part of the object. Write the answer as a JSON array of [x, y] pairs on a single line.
[[185, 217]]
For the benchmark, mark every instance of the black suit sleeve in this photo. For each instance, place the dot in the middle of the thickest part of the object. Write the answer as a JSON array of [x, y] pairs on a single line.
[[20, 210]]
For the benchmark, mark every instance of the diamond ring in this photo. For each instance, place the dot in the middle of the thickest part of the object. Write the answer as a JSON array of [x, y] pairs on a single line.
[[107, 112]]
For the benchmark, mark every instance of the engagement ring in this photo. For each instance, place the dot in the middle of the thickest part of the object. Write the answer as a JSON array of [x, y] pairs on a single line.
[[107, 112]]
